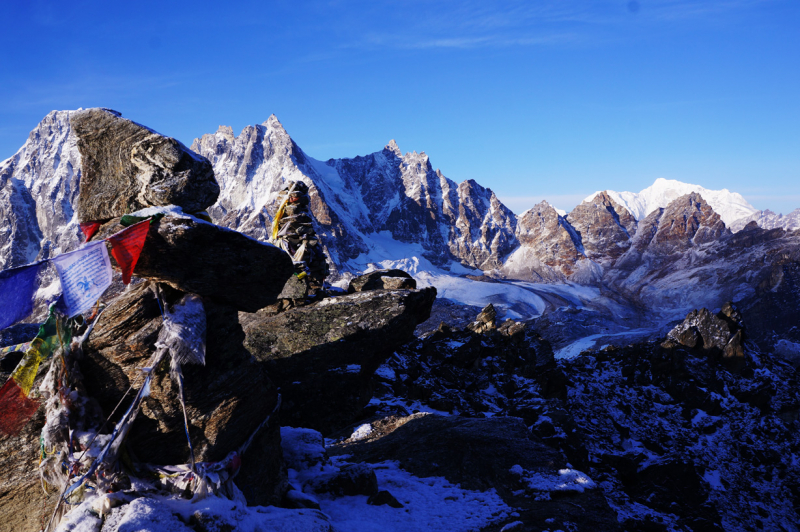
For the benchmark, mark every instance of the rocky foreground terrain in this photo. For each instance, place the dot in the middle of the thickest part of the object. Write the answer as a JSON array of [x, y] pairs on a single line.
[[383, 407]]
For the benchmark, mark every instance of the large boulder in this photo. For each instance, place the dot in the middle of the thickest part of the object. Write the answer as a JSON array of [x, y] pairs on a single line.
[[126, 166], [195, 256], [226, 399], [721, 332], [392, 279], [495, 453], [322, 356]]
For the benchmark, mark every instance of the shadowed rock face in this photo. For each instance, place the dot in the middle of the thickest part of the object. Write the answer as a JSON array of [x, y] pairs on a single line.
[[772, 313], [322, 356], [226, 399], [480, 454], [127, 167], [202, 258]]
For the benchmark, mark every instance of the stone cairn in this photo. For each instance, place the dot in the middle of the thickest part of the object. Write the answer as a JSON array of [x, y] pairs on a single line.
[[293, 231], [206, 413]]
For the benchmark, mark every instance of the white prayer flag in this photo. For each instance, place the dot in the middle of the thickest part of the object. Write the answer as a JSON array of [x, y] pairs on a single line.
[[85, 274]]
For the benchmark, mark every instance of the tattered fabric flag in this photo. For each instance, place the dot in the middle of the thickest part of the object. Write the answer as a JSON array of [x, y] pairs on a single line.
[[85, 274], [51, 333], [89, 229], [131, 219], [183, 331], [277, 219], [13, 348], [126, 246], [110, 451], [17, 287], [15, 406]]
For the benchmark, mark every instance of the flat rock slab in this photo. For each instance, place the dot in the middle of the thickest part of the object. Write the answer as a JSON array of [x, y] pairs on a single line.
[[126, 166], [226, 399], [323, 356], [205, 259], [482, 454]]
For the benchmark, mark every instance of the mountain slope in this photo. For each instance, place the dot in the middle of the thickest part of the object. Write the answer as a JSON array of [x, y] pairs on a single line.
[[38, 194]]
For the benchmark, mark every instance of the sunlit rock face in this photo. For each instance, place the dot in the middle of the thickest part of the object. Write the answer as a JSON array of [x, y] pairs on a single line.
[[605, 228], [549, 248]]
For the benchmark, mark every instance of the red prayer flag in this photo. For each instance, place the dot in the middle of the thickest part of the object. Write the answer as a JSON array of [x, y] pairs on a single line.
[[89, 229], [126, 246], [15, 408]]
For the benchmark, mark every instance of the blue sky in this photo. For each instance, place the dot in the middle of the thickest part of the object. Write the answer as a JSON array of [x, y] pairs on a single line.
[[537, 100]]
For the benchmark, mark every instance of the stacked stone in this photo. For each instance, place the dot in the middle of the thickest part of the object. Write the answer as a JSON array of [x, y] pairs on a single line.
[[296, 236], [126, 167]]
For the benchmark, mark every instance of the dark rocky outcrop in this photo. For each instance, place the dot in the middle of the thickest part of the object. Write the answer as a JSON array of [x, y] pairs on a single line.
[[322, 356], [672, 430], [481, 454], [722, 333], [202, 258], [126, 167], [226, 400], [382, 280], [772, 314], [498, 369]]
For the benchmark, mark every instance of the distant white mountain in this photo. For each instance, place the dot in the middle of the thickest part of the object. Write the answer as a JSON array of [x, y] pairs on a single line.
[[769, 220], [730, 206]]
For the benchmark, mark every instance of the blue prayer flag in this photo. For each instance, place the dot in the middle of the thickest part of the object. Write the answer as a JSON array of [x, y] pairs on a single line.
[[17, 288], [85, 274]]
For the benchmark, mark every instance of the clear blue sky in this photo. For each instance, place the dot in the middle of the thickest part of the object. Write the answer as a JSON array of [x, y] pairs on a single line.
[[541, 99]]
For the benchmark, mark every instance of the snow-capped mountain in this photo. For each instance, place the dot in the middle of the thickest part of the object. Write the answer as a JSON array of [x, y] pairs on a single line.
[[38, 194], [355, 199], [731, 206], [767, 219]]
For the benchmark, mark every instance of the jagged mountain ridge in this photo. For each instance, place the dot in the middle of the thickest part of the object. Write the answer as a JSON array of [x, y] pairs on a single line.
[[363, 202], [358, 197]]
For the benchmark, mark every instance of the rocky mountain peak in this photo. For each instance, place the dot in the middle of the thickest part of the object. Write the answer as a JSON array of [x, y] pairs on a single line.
[[549, 246], [393, 148], [769, 220], [688, 220], [225, 132], [273, 123], [604, 226]]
